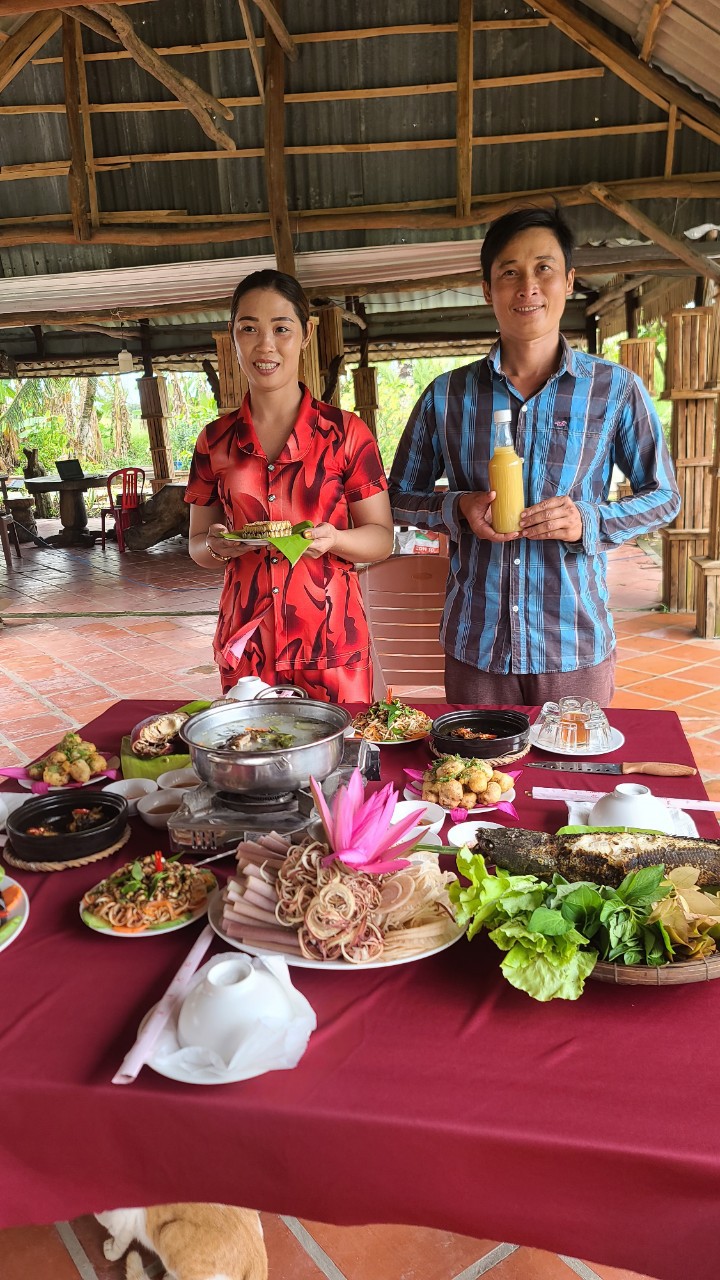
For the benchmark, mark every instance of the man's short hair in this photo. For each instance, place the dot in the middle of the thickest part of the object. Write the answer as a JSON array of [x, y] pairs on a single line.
[[502, 230]]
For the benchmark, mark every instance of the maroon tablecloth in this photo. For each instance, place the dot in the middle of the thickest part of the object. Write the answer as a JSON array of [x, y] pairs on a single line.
[[430, 1094]]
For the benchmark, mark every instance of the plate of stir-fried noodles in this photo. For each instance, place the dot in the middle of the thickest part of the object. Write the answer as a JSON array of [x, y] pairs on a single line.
[[391, 722], [150, 895]]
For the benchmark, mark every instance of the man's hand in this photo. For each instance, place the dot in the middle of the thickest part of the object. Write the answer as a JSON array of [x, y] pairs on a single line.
[[477, 510], [556, 518], [322, 538]]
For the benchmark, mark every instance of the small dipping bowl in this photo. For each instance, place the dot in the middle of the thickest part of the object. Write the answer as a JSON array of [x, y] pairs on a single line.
[[178, 779], [158, 807], [131, 789]]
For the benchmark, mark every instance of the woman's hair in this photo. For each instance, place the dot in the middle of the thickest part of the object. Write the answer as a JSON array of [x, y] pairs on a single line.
[[278, 282], [502, 230]]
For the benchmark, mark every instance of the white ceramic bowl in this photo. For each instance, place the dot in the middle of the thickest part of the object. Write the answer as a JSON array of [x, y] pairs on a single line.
[[632, 805], [430, 816], [180, 779], [131, 790], [157, 808], [227, 1005], [464, 832]]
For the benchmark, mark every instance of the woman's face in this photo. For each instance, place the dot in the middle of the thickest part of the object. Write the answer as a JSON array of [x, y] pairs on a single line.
[[268, 339]]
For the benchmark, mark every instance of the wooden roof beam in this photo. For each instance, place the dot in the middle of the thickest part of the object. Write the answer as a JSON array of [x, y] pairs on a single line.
[[78, 177], [272, 13], [202, 105], [464, 108], [253, 48], [275, 152], [16, 52], [651, 28], [700, 265], [652, 84]]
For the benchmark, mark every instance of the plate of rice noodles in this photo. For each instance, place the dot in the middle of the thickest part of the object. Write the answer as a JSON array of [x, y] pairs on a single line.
[[392, 723], [150, 895], [333, 917]]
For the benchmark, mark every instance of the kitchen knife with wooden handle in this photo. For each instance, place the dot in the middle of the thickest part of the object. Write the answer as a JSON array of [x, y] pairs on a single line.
[[656, 767]]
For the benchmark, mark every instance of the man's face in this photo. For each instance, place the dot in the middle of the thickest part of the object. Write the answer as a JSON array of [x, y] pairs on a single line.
[[529, 286]]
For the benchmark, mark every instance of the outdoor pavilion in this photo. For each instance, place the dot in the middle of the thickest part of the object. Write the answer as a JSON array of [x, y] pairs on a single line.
[[154, 154], [180, 147]]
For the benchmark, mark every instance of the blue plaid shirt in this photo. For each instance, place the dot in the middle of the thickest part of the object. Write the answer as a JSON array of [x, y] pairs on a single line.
[[534, 606]]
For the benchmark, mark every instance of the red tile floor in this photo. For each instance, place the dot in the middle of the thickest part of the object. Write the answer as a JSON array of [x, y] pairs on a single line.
[[82, 628]]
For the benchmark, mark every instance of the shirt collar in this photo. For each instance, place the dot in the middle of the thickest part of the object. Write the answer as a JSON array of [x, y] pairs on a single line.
[[301, 436], [576, 363]]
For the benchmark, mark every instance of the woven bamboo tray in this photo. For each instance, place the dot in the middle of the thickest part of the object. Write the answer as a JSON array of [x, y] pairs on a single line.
[[496, 762], [665, 975]]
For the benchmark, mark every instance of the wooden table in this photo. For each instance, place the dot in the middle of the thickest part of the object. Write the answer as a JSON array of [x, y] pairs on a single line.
[[73, 512]]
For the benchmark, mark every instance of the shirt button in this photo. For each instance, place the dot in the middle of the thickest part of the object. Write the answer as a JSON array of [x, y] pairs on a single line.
[[516, 608], [524, 409], [274, 560], [271, 497], [275, 590], [516, 561], [271, 466]]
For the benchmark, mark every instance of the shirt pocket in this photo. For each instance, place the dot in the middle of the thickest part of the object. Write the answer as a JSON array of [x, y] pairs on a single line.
[[567, 456]]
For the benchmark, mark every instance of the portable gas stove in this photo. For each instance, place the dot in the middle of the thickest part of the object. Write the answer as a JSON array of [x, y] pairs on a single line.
[[210, 821]]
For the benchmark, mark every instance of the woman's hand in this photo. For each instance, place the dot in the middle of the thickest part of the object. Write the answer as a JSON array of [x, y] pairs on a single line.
[[228, 548], [322, 539]]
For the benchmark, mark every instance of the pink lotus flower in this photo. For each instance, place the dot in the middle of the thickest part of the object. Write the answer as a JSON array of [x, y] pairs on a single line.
[[359, 832]]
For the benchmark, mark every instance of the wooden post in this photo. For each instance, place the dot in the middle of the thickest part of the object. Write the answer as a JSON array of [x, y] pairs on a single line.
[[638, 354], [687, 371], [330, 345], [309, 370], [464, 109], [366, 395], [275, 150], [153, 408], [707, 568], [233, 383]]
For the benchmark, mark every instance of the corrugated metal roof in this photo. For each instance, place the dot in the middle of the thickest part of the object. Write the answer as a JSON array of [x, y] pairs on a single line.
[[687, 40], [230, 186]]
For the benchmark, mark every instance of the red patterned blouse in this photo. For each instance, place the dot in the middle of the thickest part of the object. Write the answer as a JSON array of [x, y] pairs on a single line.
[[331, 459]]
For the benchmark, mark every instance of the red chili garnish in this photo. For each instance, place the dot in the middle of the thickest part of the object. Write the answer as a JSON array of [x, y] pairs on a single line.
[[159, 860]]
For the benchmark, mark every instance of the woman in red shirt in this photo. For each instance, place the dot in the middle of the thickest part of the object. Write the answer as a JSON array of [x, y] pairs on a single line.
[[285, 456]]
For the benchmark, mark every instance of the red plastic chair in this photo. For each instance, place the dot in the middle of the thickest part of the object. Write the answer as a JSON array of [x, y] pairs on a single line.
[[124, 504]]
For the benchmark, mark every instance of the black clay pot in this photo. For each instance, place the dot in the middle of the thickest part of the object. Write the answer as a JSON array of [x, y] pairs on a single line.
[[56, 809], [511, 729]]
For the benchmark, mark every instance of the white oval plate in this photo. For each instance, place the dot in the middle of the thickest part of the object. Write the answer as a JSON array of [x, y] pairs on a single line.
[[464, 832], [152, 931], [215, 920], [21, 911], [506, 798], [617, 740], [29, 783], [404, 742]]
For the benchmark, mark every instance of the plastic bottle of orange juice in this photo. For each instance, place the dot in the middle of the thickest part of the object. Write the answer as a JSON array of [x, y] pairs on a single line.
[[505, 471]]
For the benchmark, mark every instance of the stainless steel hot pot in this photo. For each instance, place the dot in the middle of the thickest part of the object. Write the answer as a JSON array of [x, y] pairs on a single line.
[[268, 772]]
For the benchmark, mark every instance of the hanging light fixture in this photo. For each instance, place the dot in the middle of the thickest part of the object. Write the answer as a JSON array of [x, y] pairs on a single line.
[[125, 360]]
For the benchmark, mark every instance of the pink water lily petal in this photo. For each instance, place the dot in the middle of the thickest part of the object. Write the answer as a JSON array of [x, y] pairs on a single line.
[[393, 835], [416, 774], [459, 814], [342, 820], [371, 816], [381, 868], [352, 857], [416, 790]]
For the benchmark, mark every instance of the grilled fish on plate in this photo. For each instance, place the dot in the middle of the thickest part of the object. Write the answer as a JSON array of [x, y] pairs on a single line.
[[603, 857]]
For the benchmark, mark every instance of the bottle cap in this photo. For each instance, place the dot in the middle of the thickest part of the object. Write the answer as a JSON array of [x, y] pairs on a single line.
[[502, 415]]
